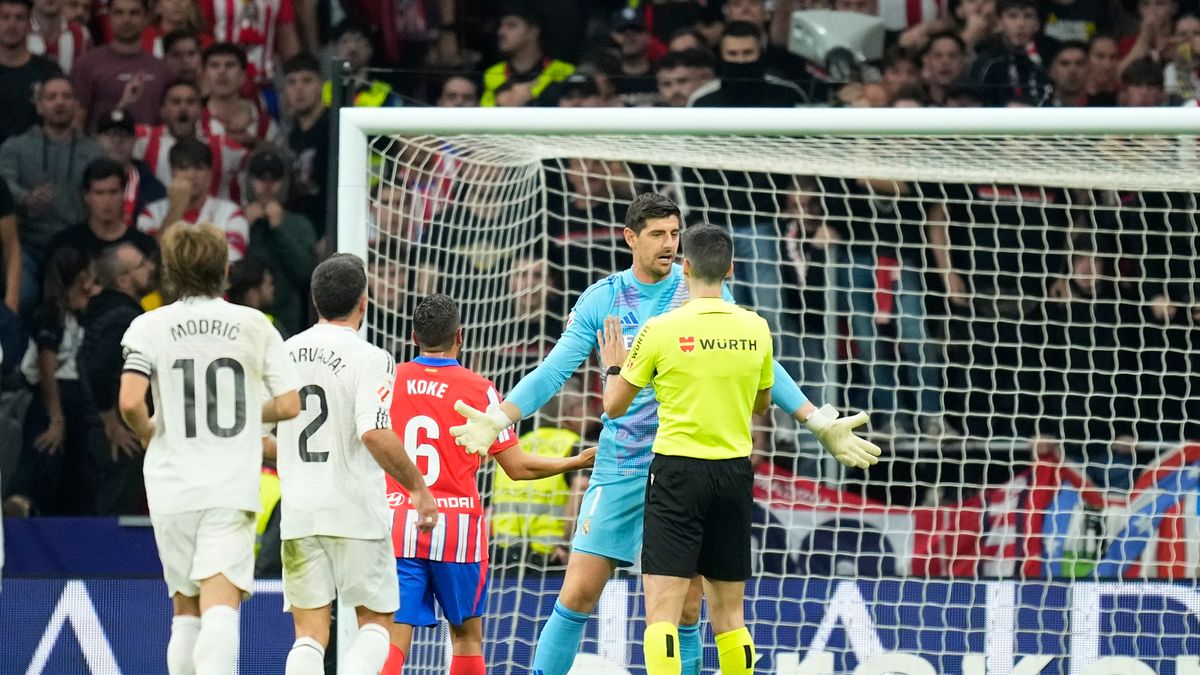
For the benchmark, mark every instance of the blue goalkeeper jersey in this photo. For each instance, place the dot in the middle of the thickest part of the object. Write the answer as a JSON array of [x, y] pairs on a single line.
[[625, 442]]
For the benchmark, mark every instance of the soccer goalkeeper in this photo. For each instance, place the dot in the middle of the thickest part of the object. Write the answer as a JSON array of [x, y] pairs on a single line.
[[609, 530]]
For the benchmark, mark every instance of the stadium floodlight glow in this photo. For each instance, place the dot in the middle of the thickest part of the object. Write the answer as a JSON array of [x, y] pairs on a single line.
[[1074, 236]]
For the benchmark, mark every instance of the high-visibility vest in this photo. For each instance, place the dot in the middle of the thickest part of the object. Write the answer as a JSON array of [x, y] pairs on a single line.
[[553, 71], [374, 95], [532, 511], [268, 497]]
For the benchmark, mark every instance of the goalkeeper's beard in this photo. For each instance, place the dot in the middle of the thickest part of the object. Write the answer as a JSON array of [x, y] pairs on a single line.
[[656, 267]]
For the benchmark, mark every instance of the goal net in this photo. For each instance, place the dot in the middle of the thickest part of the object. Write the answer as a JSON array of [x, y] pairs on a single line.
[[1014, 298]]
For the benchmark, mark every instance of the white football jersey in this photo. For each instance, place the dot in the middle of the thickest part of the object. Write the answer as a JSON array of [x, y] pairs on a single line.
[[331, 484], [211, 365]]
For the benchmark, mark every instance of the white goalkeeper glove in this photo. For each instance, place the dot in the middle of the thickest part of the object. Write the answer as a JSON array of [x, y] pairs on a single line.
[[481, 429], [837, 437]]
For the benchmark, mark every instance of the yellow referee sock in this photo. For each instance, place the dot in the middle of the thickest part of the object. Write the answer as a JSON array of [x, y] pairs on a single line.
[[736, 652], [660, 646]]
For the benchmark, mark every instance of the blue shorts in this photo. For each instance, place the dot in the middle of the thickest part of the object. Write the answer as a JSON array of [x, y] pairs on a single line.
[[610, 518], [460, 589]]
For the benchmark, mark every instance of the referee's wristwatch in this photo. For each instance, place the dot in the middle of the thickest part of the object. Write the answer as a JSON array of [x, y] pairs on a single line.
[[612, 370]]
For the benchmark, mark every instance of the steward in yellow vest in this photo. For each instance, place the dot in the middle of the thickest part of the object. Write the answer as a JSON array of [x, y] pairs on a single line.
[[525, 65], [532, 513]]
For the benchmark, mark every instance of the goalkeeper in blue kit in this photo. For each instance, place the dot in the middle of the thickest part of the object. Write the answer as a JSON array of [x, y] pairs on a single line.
[[609, 530]]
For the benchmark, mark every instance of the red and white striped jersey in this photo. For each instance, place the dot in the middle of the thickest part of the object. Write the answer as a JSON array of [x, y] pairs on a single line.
[[261, 124], [251, 24], [422, 414], [153, 144], [64, 48], [220, 212]]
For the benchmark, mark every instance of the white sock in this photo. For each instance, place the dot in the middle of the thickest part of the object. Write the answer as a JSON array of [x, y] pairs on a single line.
[[184, 630], [306, 658], [369, 651], [217, 645]]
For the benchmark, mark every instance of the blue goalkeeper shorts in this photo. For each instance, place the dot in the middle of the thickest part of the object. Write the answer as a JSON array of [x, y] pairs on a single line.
[[459, 588], [610, 518]]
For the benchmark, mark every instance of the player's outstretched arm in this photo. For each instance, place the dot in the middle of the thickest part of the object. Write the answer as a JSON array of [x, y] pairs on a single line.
[[520, 465], [837, 436], [387, 449], [132, 403], [282, 407], [636, 370]]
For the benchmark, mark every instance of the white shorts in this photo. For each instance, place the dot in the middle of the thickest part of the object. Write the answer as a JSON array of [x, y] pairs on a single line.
[[362, 572], [197, 545]]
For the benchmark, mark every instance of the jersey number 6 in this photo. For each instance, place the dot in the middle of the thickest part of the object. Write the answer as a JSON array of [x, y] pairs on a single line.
[[417, 450]]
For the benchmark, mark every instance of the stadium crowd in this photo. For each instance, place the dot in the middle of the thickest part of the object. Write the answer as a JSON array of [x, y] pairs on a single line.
[[121, 115]]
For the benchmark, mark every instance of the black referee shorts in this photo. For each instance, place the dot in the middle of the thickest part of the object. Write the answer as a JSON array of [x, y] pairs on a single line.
[[698, 517]]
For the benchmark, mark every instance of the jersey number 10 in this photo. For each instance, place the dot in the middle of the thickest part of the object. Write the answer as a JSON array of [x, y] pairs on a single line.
[[188, 366]]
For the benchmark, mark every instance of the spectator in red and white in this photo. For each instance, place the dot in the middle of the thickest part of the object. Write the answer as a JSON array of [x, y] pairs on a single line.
[[188, 199], [1153, 37], [266, 29], [171, 16], [52, 36], [943, 63], [120, 75], [636, 53], [1068, 72], [180, 111], [20, 71], [1103, 80], [354, 43], [1142, 84], [182, 54], [899, 71], [308, 138], [1181, 76], [78, 11], [116, 135], [224, 79], [679, 74], [459, 91], [973, 20]]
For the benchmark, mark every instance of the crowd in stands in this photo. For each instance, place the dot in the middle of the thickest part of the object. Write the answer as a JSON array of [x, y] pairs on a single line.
[[121, 117]]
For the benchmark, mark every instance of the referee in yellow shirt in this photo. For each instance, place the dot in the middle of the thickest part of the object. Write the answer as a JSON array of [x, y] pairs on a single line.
[[711, 367]]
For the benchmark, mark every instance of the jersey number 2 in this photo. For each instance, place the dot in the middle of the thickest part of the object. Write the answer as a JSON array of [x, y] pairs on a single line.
[[188, 366], [307, 432]]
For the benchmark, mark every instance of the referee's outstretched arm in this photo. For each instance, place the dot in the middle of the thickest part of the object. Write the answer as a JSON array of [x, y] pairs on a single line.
[[618, 391]]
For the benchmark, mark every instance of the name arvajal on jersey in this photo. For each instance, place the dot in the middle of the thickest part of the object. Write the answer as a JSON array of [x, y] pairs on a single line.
[[325, 357]]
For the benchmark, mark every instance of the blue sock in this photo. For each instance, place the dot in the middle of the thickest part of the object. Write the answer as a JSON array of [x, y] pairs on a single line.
[[559, 641], [691, 652]]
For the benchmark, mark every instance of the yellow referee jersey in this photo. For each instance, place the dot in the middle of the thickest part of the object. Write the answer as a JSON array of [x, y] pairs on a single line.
[[707, 361]]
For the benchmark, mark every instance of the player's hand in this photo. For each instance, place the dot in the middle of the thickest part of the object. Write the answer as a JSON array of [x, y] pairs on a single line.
[[122, 441], [146, 435], [426, 507], [612, 343], [586, 459], [837, 436], [481, 429]]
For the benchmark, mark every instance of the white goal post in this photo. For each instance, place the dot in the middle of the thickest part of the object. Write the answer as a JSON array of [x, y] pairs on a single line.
[[1013, 293]]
